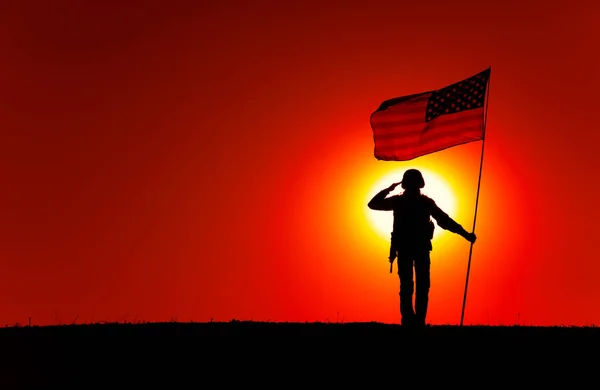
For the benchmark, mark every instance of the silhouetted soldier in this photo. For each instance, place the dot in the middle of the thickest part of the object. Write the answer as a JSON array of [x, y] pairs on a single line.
[[411, 240]]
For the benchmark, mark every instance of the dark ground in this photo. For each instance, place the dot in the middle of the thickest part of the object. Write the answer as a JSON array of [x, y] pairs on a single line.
[[193, 355]]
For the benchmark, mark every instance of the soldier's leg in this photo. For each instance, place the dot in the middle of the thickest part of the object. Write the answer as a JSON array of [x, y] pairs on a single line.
[[423, 282], [405, 272]]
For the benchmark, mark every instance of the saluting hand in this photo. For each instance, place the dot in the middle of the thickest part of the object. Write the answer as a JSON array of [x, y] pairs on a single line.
[[393, 186]]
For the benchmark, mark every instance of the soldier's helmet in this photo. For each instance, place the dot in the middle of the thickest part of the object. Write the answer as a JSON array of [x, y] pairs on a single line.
[[412, 179]]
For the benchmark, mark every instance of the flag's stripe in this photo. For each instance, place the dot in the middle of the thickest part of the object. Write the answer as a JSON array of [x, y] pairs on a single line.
[[471, 133], [403, 100], [422, 150], [416, 105], [407, 127], [385, 119], [427, 129]]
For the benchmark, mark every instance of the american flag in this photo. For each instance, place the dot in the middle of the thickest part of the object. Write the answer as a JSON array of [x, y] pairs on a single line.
[[411, 126]]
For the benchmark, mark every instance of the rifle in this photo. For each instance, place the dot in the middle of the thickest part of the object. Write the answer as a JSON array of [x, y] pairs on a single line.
[[392, 256]]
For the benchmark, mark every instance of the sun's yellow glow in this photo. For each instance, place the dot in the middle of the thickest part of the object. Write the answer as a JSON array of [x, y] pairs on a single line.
[[435, 187]]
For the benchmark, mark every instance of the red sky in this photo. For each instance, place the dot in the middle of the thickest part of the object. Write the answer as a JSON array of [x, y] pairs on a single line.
[[198, 162]]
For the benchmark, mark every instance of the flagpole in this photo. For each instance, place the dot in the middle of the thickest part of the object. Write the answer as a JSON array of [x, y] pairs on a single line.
[[462, 315]]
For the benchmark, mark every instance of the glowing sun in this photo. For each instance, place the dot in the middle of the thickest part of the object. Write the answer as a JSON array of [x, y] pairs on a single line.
[[435, 187]]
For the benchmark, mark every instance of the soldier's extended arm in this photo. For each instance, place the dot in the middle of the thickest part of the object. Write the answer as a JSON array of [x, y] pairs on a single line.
[[379, 202], [445, 222]]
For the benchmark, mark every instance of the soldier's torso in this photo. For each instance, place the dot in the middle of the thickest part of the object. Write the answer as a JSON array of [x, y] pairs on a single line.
[[412, 221]]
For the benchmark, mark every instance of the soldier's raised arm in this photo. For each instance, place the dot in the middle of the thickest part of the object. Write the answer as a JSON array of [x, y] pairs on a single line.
[[379, 202]]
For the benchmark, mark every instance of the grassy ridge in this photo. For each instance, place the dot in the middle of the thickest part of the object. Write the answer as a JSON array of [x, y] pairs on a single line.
[[260, 352]]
